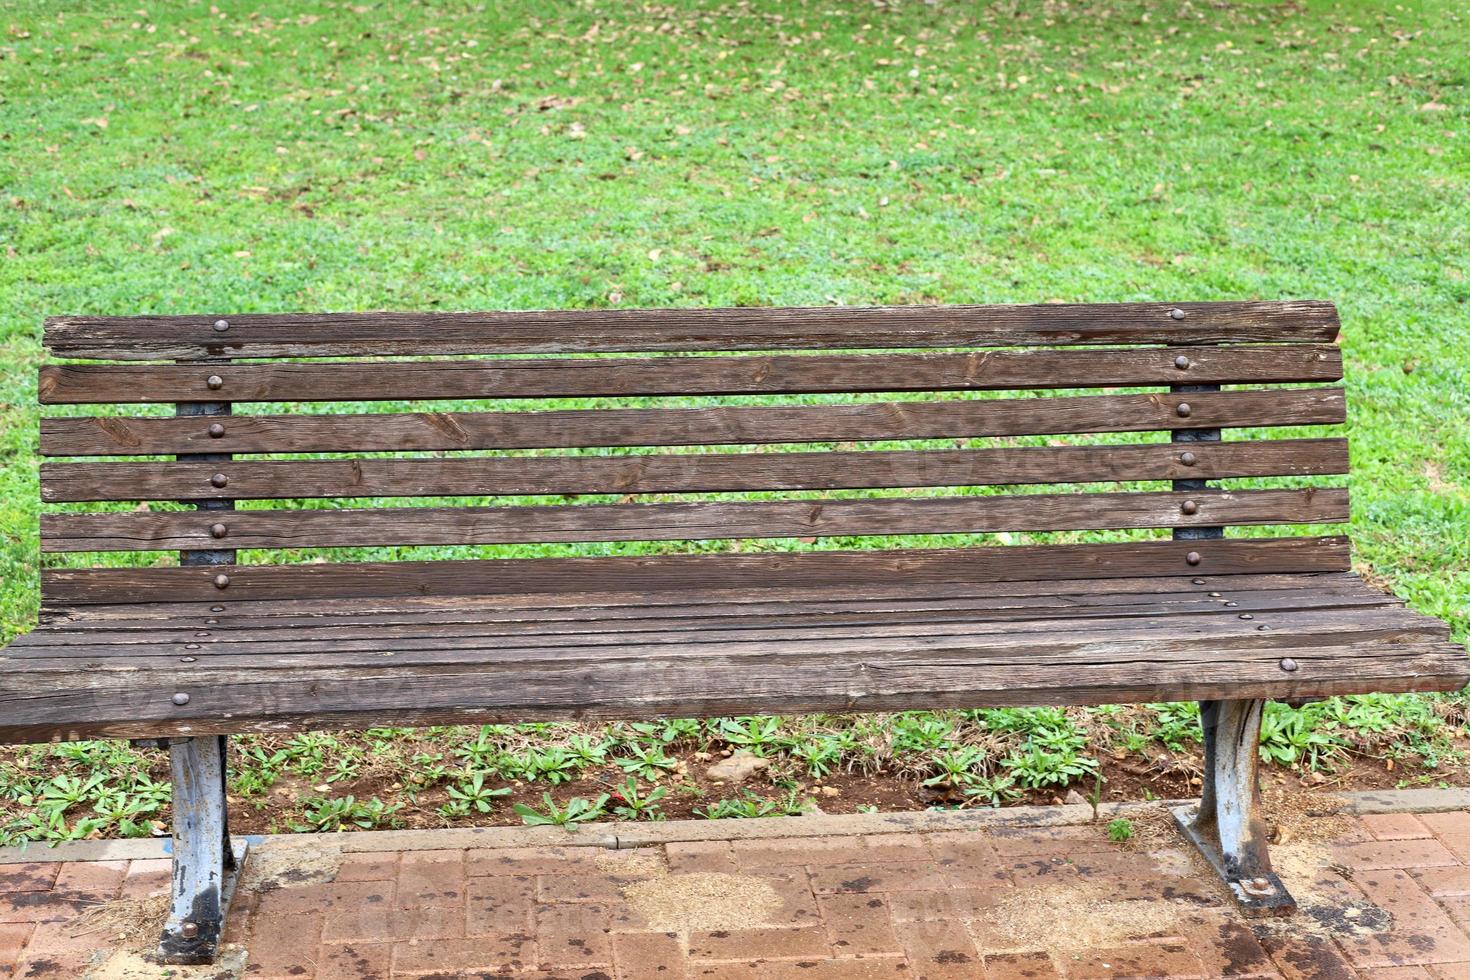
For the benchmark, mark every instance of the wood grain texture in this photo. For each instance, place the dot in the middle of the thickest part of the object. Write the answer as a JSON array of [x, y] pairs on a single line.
[[389, 432], [61, 384], [176, 531], [256, 335], [686, 473], [672, 573]]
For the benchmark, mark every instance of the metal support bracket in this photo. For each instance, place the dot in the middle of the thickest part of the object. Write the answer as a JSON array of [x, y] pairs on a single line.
[[1227, 827], [206, 866]]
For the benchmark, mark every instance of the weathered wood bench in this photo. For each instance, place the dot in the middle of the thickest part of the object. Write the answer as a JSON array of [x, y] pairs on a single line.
[[187, 655]]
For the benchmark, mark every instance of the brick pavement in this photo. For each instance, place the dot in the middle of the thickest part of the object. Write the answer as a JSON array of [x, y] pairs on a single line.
[[1389, 899]]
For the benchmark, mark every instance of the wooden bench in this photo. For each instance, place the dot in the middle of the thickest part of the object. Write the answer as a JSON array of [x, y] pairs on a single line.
[[187, 655]]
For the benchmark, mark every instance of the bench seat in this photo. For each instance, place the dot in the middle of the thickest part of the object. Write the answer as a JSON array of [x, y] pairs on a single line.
[[259, 665]]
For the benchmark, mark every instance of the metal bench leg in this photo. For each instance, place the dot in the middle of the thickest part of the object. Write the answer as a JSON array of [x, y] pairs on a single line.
[[1227, 826], [206, 866]]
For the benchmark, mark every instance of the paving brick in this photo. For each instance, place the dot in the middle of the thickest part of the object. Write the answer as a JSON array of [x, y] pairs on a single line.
[[1048, 841], [55, 953], [866, 968], [1422, 931], [368, 867], [754, 854], [1307, 957], [939, 950], [503, 953], [283, 946], [13, 938], [1394, 826], [324, 897], [1225, 946], [1377, 855], [968, 860], [579, 888], [32, 877], [858, 925], [355, 961], [688, 857], [380, 924], [727, 971], [97, 881], [502, 903], [430, 879], [1398, 973], [148, 877], [1021, 966], [739, 944], [895, 877], [950, 903], [1444, 882], [1450, 971], [1453, 829], [41, 906], [648, 956], [1136, 961], [573, 936], [793, 888], [530, 861], [895, 847]]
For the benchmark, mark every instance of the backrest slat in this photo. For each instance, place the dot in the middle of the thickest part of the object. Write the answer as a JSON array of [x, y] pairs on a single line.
[[685, 473], [364, 334], [583, 428], [62, 384]]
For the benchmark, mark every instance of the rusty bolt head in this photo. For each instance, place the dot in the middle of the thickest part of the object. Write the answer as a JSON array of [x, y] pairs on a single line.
[[216, 430], [1183, 410], [218, 530], [1192, 558], [1182, 362], [221, 581], [219, 481], [1289, 665], [189, 930], [1189, 507], [221, 325], [214, 382], [180, 699], [1188, 458], [1176, 314]]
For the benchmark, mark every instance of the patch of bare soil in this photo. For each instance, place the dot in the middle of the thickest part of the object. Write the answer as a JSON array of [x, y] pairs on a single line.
[[132, 927], [703, 900], [128, 965]]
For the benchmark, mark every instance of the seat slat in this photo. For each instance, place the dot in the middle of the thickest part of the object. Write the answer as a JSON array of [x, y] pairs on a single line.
[[692, 473], [704, 520], [61, 384], [582, 428], [664, 574], [548, 331]]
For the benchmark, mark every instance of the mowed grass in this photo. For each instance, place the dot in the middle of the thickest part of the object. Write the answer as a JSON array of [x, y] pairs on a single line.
[[202, 158]]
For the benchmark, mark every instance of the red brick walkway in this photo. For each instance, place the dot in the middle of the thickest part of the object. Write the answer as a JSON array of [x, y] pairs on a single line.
[[1388, 900]]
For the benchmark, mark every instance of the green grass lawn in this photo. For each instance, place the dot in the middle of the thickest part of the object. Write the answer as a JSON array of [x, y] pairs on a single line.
[[204, 157]]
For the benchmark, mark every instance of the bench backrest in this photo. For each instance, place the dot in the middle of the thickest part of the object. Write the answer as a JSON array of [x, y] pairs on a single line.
[[848, 402]]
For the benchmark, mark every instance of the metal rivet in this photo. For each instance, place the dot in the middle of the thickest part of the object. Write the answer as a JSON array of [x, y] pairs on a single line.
[[1216, 595], [214, 382], [1183, 410], [181, 698], [191, 646], [1188, 459], [216, 608], [1263, 627], [216, 430], [220, 581], [1192, 558], [222, 325], [1198, 581], [1246, 616], [210, 622], [187, 660], [218, 530], [202, 633], [1288, 665], [1182, 362], [189, 930], [219, 480], [1231, 605], [1176, 314], [1189, 507]]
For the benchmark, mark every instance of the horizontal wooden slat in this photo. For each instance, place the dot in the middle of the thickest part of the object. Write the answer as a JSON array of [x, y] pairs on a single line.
[[195, 530], [660, 574], [117, 436], [692, 473], [752, 374], [548, 331]]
